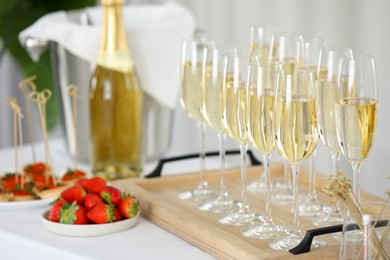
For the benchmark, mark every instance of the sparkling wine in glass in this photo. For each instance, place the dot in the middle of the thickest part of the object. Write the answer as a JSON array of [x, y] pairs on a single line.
[[314, 50], [261, 46], [296, 136], [326, 94], [213, 114], [234, 117], [191, 101], [260, 107], [261, 41], [356, 111], [288, 49]]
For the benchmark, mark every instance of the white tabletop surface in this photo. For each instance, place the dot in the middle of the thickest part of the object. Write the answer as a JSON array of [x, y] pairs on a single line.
[[22, 235]]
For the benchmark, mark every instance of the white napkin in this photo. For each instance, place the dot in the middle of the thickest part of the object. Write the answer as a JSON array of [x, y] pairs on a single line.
[[154, 32]]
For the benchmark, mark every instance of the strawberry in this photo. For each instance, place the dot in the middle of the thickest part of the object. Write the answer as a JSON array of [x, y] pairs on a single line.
[[118, 215], [129, 206], [74, 193], [73, 214], [12, 181], [101, 213], [71, 175], [36, 168], [111, 195], [94, 184], [91, 200], [54, 213], [22, 193]]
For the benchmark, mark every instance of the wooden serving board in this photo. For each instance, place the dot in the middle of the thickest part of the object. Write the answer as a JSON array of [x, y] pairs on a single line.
[[160, 205]]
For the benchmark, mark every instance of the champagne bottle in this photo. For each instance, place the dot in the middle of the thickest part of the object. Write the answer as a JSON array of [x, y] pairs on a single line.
[[115, 102]]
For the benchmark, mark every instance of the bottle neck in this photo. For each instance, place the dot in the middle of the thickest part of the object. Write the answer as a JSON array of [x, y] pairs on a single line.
[[114, 50]]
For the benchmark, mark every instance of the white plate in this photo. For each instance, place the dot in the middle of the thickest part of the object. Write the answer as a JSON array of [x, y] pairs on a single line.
[[88, 230], [21, 205]]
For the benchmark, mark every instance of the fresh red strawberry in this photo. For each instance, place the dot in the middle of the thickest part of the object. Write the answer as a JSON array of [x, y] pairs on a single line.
[[129, 206], [54, 213], [94, 184], [22, 193], [111, 195], [118, 215], [91, 200], [101, 213], [74, 193], [12, 181], [36, 168], [71, 175], [73, 214]]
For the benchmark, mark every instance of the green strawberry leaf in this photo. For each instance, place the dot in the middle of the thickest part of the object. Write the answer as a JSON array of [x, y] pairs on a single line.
[[68, 213], [107, 197], [111, 213]]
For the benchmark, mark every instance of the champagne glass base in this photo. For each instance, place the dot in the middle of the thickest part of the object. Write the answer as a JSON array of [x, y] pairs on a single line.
[[198, 194], [311, 208], [285, 197], [328, 218], [220, 205], [266, 231], [241, 218], [292, 241], [257, 186], [287, 242]]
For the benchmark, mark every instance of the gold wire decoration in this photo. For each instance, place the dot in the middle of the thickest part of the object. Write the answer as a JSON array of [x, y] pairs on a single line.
[[73, 92], [27, 86], [41, 98], [18, 137], [339, 186]]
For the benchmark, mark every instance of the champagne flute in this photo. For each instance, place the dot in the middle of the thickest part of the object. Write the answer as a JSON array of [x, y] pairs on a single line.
[[261, 41], [261, 45], [356, 111], [296, 136], [191, 101], [326, 95], [212, 112], [234, 116], [288, 49], [314, 50], [260, 106]]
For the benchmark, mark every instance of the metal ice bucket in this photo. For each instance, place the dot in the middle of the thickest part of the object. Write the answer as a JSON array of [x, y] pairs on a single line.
[[69, 69]]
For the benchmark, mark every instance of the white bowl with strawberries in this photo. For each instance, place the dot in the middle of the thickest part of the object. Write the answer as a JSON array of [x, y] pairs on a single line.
[[91, 207]]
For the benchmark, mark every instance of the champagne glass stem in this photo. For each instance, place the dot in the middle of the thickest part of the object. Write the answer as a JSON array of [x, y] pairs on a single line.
[[335, 162], [312, 177], [243, 150], [335, 170], [202, 155], [222, 139], [286, 174], [356, 180], [295, 170], [267, 179]]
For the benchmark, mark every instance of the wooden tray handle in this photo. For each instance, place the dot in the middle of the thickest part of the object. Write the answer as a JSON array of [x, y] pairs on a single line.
[[157, 171]]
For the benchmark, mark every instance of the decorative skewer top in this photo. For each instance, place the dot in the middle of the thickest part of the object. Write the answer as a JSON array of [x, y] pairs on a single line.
[[27, 85], [74, 91], [40, 97], [338, 186], [13, 102]]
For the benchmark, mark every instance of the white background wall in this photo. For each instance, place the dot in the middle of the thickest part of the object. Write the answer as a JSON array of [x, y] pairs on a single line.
[[362, 25]]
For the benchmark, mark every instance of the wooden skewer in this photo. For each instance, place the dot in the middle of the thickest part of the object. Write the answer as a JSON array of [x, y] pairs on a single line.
[[27, 86], [17, 115], [73, 92], [41, 98]]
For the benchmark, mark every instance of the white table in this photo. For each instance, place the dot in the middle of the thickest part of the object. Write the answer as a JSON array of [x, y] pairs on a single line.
[[22, 235]]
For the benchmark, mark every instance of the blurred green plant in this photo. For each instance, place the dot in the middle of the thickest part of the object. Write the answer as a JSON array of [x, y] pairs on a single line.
[[15, 16]]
